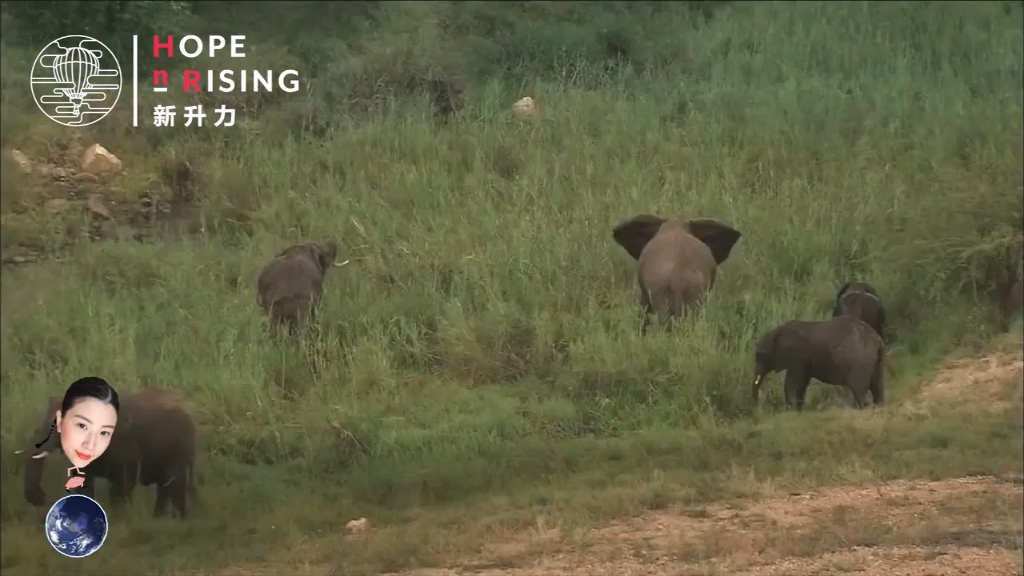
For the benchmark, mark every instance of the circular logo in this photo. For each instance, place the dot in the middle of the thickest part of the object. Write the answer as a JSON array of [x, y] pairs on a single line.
[[76, 526], [76, 80]]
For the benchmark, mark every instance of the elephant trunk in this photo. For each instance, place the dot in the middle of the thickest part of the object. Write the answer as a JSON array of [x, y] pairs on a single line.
[[756, 388], [35, 461], [35, 457]]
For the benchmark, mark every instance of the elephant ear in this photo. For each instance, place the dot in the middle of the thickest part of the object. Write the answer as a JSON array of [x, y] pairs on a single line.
[[635, 233], [842, 290], [767, 343], [867, 288], [719, 237], [44, 426], [856, 286], [836, 306], [325, 254]]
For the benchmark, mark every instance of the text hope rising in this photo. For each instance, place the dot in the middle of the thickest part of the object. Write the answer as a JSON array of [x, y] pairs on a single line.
[[191, 46]]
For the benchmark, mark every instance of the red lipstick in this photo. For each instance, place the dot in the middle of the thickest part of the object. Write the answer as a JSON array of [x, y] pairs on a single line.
[[82, 456]]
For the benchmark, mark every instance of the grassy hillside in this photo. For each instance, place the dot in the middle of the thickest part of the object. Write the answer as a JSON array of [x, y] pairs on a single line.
[[484, 338]]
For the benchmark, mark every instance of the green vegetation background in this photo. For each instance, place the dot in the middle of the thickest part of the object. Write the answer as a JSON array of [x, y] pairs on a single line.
[[483, 339]]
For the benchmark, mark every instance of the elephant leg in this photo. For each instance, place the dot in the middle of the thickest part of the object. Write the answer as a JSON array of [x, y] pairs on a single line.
[[645, 311], [877, 392], [801, 390], [877, 386], [118, 495], [855, 385], [796, 378], [787, 391], [670, 323], [163, 499], [121, 487], [179, 493], [859, 381], [859, 398]]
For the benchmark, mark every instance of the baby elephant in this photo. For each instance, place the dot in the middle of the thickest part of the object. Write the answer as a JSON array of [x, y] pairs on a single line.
[[291, 285], [859, 299], [154, 444], [842, 351]]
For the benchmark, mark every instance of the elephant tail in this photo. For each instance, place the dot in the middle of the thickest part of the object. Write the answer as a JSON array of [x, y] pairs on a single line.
[[683, 291], [193, 492], [692, 289], [292, 309]]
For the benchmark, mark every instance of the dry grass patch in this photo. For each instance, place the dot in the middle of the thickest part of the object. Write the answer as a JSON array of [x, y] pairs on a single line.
[[991, 383], [899, 527]]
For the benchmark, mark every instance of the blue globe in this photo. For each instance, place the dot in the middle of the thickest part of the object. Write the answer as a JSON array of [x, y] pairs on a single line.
[[76, 526]]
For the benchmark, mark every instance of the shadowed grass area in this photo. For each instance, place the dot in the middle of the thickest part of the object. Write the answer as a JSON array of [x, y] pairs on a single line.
[[483, 344]]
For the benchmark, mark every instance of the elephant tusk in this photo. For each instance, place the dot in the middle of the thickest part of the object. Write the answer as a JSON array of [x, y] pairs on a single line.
[[19, 451], [41, 455], [340, 264]]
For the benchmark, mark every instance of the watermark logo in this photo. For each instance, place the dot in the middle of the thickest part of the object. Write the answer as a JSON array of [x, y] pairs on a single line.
[[76, 80], [196, 82]]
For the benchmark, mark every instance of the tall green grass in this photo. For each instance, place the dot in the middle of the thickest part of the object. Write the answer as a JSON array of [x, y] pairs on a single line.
[[486, 311]]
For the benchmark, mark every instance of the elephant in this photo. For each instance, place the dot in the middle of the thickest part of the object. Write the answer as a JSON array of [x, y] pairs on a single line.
[[842, 351], [446, 95], [860, 300], [1013, 300], [677, 259], [154, 443], [291, 285]]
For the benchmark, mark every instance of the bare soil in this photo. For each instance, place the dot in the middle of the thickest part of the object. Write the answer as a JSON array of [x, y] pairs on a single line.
[[962, 526]]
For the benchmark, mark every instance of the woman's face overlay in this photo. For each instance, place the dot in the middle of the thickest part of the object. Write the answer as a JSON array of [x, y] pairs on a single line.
[[85, 430]]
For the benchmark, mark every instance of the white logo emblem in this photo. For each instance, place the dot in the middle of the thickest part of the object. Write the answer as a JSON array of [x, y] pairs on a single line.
[[76, 80]]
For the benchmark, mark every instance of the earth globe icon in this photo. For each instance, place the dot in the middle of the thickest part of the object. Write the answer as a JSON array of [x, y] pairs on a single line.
[[76, 526]]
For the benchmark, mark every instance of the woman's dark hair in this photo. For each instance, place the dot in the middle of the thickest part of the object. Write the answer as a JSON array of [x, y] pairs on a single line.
[[88, 387]]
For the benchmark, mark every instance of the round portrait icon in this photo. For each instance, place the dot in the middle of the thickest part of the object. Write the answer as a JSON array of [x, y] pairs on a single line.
[[76, 526], [76, 80]]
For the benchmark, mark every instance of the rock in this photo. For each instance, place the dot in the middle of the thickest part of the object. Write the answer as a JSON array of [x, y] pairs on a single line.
[[54, 172], [97, 160], [56, 205], [96, 207], [358, 526], [525, 107], [84, 177], [22, 161]]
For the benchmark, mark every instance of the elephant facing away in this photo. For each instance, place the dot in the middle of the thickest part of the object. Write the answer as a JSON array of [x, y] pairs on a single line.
[[860, 300], [154, 444], [291, 285], [842, 351], [677, 260]]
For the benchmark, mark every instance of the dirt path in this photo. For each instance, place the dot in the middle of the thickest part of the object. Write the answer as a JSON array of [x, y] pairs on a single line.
[[963, 526]]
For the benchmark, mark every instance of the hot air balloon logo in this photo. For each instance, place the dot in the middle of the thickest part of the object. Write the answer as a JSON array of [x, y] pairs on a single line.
[[76, 80]]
